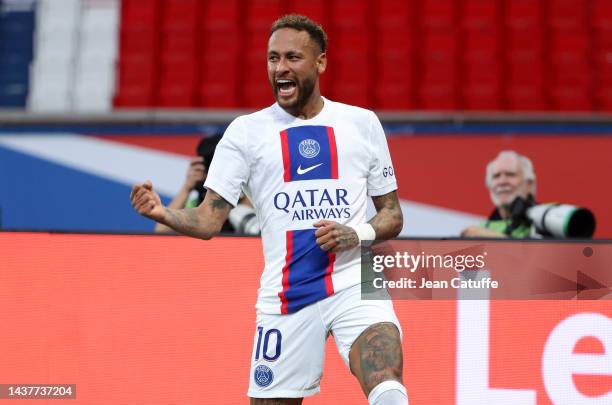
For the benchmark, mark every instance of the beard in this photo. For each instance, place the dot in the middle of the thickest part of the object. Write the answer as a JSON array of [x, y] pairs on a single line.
[[497, 200], [304, 88]]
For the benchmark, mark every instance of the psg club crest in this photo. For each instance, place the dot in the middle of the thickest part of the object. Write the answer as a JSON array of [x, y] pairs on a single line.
[[309, 148], [263, 376]]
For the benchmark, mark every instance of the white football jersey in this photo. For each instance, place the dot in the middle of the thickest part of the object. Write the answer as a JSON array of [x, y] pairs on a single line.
[[297, 172]]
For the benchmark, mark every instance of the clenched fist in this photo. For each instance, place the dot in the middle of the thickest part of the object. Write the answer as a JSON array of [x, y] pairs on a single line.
[[146, 201], [334, 237]]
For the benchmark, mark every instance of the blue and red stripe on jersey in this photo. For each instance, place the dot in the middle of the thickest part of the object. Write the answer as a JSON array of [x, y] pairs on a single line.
[[307, 272], [301, 166]]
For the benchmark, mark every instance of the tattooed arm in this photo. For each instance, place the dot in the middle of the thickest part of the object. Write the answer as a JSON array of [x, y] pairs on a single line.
[[202, 222], [387, 224], [388, 221]]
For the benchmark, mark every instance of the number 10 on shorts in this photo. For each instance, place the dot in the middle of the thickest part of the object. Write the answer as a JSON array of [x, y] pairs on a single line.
[[266, 342]]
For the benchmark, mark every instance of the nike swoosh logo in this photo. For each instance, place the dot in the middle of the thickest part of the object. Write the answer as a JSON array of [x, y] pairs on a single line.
[[301, 171]]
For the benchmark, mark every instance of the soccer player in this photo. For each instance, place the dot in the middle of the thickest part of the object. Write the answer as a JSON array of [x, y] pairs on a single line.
[[308, 165]]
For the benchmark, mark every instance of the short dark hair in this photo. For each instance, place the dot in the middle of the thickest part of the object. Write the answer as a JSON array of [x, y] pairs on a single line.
[[302, 23]]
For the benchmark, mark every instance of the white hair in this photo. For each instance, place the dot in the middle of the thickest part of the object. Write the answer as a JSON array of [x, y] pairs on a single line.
[[524, 162]]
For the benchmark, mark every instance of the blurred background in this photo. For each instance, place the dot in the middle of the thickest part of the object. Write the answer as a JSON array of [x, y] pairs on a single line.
[[98, 94]]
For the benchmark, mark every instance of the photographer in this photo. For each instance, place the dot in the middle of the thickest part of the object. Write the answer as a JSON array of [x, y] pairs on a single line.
[[241, 219], [511, 181]]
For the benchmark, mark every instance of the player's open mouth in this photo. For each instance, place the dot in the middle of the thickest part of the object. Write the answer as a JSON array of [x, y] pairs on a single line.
[[285, 87]]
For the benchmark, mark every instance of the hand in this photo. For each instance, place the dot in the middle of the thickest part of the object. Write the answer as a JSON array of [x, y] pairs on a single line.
[[146, 201], [475, 231], [195, 173], [334, 237]]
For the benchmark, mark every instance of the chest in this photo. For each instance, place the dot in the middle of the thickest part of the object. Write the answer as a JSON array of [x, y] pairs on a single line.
[[310, 152]]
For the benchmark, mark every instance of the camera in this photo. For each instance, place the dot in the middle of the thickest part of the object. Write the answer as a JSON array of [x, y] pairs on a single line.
[[552, 220], [562, 220]]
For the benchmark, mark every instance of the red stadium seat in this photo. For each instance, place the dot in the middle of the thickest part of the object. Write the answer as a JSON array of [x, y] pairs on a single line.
[[432, 73], [260, 14], [601, 14], [137, 79], [481, 46], [180, 43], [524, 40], [484, 73], [140, 14], [351, 71], [603, 70], [352, 93], [481, 97], [439, 46], [314, 9], [393, 95], [140, 69], [394, 14], [523, 14], [218, 95], [394, 68], [480, 14], [571, 99], [255, 45], [220, 15], [350, 58], [351, 49], [219, 69], [440, 96], [219, 41], [570, 43], [394, 45], [602, 40], [257, 94], [438, 14], [174, 95], [349, 14], [567, 14], [603, 99], [481, 86], [134, 96], [137, 40], [399, 73], [182, 15], [179, 68], [525, 98], [529, 72], [578, 74]]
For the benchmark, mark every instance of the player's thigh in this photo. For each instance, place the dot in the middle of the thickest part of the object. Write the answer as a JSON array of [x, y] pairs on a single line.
[[287, 359], [376, 356], [368, 337]]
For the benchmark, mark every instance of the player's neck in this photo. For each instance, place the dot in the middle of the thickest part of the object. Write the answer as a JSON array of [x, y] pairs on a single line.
[[313, 106]]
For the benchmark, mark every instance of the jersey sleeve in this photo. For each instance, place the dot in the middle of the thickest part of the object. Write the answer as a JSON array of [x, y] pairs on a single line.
[[229, 169], [381, 178]]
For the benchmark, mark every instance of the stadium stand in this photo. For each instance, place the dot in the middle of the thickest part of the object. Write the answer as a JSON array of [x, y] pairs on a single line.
[[16, 50], [397, 55], [74, 63]]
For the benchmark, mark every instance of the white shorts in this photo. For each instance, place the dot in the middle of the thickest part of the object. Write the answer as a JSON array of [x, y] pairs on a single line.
[[288, 350]]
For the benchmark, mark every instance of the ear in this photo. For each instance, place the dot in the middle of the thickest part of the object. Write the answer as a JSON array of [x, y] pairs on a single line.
[[322, 63], [530, 187]]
